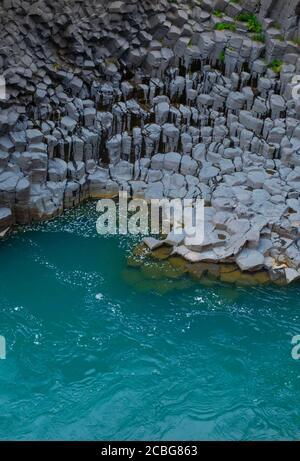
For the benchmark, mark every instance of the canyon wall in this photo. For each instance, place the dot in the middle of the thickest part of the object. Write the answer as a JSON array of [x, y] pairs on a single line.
[[162, 99]]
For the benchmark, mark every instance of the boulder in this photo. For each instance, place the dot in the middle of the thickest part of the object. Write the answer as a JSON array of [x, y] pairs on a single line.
[[153, 243], [250, 260], [207, 173], [188, 166], [172, 161], [291, 275], [34, 136]]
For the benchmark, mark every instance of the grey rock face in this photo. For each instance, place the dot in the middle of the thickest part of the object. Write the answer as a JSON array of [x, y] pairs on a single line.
[[152, 99], [250, 260]]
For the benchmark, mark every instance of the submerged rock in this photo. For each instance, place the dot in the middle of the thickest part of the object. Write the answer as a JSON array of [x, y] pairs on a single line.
[[161, 264], [6, 220]]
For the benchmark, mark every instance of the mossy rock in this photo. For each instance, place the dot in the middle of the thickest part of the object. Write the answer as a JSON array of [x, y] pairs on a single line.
[[162, 270], [281, 282], [238, 277], [213, 269], [179, 263], [196, 270], [247, 280], [234, 277], [133, 261], [229, 277], [174, 272], [162, 287], [262, 277], [150, 271], [159, 265], [161, 253], [141, 250], [208, 281], [227, 268]]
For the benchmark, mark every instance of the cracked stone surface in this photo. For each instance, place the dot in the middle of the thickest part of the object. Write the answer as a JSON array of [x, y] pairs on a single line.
[[152, 98]]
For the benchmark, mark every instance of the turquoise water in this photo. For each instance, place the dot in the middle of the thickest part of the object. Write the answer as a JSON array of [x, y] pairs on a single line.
[[91, 357]]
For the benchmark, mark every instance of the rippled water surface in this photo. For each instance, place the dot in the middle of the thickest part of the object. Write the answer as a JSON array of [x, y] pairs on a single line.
[[89, 356]]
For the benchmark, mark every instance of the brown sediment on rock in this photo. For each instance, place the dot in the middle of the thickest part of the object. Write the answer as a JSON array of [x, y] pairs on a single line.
[[161, 253], [162, 269], [262, 277], [161, 287], [156, 278], [239, 278], [133, 261], [161, 264], [141, 251], [103, 195]]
